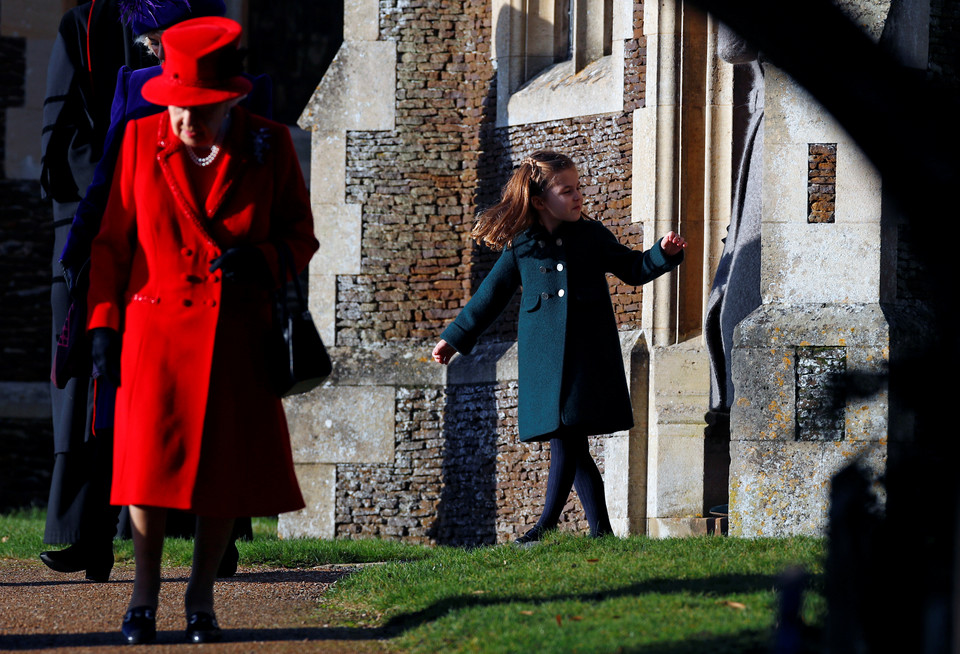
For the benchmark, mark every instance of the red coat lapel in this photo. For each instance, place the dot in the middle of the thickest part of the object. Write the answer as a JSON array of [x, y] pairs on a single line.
[[176, 173]]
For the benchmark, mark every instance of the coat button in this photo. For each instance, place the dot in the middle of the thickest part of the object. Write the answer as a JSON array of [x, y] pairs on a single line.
[[559, 241], [560, 293], [559, 266], [543, 269], [187, 252], [212, 303], [541, 243], [188, 303], [545, 295]]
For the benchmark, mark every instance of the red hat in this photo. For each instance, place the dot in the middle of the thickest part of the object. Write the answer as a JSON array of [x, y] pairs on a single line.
[[201, 65]]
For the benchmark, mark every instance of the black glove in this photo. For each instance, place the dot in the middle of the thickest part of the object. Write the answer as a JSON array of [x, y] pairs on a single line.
[[105, 354], [245, 264]]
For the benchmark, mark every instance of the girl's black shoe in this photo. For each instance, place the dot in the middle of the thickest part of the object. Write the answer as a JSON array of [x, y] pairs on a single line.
[[203, 628], [140, 625], [531, 538]]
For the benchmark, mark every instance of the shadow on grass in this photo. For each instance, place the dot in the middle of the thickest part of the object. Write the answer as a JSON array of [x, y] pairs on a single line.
[[709, 586]]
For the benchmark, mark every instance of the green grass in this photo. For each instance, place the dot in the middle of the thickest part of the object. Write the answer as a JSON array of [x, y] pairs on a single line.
[[576, 594], [21, 537], [708, 594]]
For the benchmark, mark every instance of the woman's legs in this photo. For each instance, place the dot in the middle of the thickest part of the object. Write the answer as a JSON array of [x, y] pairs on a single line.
[[571, 465], [211, 540], [149, 524]]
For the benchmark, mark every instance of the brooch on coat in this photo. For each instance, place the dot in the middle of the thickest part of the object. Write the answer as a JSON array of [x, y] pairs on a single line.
[[261, 144]]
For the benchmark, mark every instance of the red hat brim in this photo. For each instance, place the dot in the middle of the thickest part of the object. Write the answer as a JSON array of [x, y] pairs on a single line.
[[164, 91]]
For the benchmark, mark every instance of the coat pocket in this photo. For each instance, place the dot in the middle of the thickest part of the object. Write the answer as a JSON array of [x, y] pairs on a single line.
[[530, 302]]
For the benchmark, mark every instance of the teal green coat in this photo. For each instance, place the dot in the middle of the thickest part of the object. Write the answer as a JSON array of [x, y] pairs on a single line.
[[570, 365]]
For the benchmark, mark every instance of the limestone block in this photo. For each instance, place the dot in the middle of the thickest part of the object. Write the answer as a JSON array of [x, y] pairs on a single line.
[[782, 489], [342, 424], [361, 20], [858, 186], [869, 15], [764, 383], [820, 263], [785, 182], [625, 481], [560, 92], [322, 300], [765, 359], [338, 228], [358, 91], [489, 362], [317, 520], [676, 527], [675, 489], [792, 115], [386, 366], [328, 161]]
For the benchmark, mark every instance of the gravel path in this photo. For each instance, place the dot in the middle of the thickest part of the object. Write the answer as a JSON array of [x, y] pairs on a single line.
[[260, 610]]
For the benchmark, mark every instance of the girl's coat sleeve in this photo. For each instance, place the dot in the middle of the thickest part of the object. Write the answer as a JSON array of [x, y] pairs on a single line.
[[632, 266], [488, 302]]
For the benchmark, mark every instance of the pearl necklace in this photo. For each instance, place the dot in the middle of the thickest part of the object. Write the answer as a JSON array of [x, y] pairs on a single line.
[[203, 162]]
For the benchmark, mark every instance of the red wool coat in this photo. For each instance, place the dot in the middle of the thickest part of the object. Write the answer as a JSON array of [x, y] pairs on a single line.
[[197, 428]]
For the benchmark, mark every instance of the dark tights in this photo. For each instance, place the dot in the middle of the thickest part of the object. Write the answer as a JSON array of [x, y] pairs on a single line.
[[572, 466]]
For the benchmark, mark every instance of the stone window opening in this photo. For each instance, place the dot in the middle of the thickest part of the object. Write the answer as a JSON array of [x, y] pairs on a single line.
[[559, 58]]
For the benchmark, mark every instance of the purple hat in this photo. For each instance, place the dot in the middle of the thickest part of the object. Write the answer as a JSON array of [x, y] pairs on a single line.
[[148, 15]]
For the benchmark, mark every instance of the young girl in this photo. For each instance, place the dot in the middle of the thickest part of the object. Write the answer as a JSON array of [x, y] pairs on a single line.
[[572, 382]]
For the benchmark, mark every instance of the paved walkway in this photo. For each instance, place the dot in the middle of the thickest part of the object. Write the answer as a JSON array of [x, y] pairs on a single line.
[[260, 610]]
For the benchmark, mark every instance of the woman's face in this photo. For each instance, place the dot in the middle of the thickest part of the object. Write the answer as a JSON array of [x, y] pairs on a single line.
[[198, 126], [561, 201], [154, 44]]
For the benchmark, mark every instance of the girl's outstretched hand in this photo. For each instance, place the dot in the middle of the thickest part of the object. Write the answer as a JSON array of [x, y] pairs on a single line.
[[672, 244], [443, 352]]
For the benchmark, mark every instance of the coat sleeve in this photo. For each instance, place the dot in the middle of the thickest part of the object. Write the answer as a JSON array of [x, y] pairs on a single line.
[[112, 250], [632, 266], [291, 219], [86, 221], [497, 289], [65, 142]]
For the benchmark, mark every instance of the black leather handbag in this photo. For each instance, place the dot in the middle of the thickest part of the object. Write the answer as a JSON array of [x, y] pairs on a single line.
[[297, 357]]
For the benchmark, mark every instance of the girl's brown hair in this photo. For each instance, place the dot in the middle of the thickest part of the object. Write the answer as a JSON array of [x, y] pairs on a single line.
[[514, 213]]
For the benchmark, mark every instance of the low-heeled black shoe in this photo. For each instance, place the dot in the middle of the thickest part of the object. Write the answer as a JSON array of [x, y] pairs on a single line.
[[203, 628], [531, 538], [76, 558], [140, 625], [228, 564]]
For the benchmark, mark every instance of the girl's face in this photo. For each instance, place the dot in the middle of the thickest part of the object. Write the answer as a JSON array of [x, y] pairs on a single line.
[[562, 201], [198, 126]]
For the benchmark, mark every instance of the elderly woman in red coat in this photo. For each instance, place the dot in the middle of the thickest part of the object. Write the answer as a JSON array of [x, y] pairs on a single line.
[[179, 310]]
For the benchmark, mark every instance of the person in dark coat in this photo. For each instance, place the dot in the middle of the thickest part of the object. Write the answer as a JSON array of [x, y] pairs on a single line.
[[91, 45], [571, 377], [145, 21], [180, 311]]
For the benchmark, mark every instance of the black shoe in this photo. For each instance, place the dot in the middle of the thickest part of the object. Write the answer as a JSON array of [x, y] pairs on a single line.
[[531, 538], [140, 625], [96, 562], [228, 564], [69, 559], [203, 628]]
